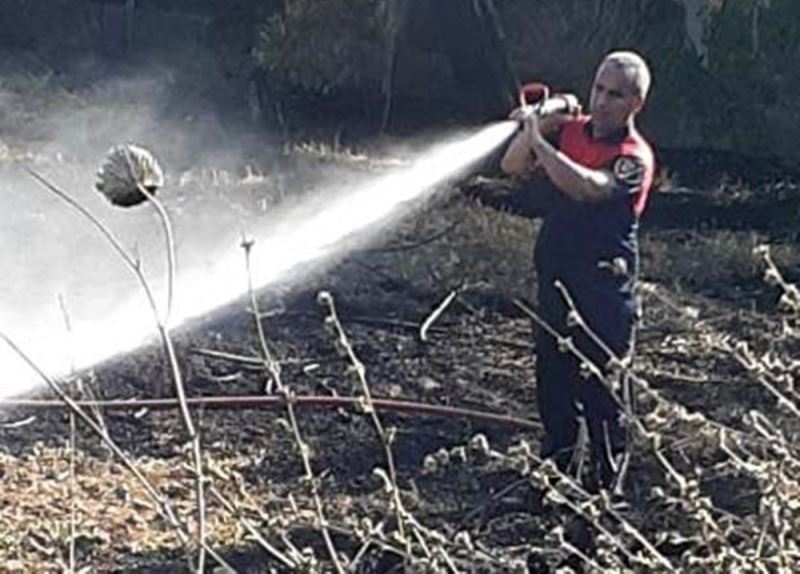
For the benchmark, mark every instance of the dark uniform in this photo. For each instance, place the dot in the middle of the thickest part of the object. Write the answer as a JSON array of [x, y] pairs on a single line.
[[591, 248]]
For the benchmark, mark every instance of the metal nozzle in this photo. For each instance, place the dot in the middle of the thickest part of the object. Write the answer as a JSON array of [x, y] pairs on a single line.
[[559, 104]]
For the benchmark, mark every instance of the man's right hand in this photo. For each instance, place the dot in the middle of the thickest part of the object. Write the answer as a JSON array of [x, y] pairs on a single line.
[[521, 113], [557, 104]]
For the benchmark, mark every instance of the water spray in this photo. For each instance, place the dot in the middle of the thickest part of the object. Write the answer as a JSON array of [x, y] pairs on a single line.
[[311, 233]]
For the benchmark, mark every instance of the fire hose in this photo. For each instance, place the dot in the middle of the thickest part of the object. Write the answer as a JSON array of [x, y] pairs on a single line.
[[275, 402]]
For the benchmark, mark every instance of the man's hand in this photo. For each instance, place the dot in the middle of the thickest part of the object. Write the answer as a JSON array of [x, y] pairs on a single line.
[[531, 125], [532, 128], [520, 157], [519, 114]]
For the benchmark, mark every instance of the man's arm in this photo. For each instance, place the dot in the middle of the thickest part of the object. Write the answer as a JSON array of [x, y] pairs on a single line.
[[520, 159], [625, 178], [574, 180]]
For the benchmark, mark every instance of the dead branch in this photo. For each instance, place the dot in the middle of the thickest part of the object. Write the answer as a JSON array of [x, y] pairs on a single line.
[[273, 369], [431, 319], [162, 324], [386, 438], [78, 407]]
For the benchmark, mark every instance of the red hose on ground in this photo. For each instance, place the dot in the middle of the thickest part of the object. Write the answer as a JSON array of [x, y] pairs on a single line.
[[273, 402]]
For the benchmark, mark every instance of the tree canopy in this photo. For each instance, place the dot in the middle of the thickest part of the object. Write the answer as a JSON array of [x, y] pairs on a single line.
[[724, 69]]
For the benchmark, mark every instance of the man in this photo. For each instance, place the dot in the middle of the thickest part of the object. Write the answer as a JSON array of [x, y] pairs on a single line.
[[599, 171]]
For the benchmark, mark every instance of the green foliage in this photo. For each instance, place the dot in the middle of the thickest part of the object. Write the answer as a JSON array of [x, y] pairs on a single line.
[[753, 48], [30, 23], [741, 95], [561, 43], [738, 91], [324, 44]]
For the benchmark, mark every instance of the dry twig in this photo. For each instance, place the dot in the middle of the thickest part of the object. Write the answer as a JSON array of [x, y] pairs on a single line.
[[273, 369], [162, 324]]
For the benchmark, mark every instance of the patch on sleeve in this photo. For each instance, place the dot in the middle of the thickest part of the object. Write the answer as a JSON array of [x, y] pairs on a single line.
[[629, 172]]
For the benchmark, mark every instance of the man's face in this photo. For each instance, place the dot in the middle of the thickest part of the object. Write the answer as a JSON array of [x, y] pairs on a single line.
[[613, 99]]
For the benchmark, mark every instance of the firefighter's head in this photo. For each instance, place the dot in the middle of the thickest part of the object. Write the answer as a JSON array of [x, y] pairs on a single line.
[[619, 90]]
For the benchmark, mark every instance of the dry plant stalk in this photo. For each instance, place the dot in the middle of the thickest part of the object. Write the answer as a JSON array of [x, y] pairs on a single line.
[[140, 167], [72, 446], [85, 388], [697, 506], [432, 543], [431, 319], [235, 511], [274, 371], [131, 175], [72, 493], [162, 504], [770, 475], [357, 368]]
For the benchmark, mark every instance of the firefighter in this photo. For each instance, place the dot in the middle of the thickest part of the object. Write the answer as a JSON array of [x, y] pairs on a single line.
[[598, 172]]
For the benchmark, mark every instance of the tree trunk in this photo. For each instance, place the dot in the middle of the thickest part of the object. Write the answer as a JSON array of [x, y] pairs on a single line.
[[396, 12], [130, 12]]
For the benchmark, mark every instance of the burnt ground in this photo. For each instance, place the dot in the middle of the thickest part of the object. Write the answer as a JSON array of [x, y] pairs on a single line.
[[470, 508]]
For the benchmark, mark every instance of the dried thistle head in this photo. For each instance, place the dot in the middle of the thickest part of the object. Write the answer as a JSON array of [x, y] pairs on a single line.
[[127, 170]]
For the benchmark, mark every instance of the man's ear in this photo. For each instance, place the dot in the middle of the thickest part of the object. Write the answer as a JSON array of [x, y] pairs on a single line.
[[638, 104]]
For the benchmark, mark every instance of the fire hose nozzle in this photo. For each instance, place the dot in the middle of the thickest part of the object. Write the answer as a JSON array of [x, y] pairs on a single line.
[[536, 97], [558, 104]]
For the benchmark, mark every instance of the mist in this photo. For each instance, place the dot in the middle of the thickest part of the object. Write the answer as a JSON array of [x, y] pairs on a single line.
[[70, 301]]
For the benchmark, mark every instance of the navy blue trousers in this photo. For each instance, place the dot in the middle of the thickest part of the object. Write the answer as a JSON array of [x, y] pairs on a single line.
[[564, 395]]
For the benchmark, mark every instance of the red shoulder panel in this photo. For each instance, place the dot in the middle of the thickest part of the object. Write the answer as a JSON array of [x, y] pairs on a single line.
[[576, 142]]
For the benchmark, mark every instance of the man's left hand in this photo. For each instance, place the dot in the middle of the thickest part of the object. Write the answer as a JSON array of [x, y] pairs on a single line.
[[532, 129]]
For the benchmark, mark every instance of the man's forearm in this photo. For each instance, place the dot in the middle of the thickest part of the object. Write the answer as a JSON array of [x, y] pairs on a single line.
[[574, 180], [518, 159]]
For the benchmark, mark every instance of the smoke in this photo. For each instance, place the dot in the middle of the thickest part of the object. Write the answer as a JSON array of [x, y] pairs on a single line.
[[51, 253]]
